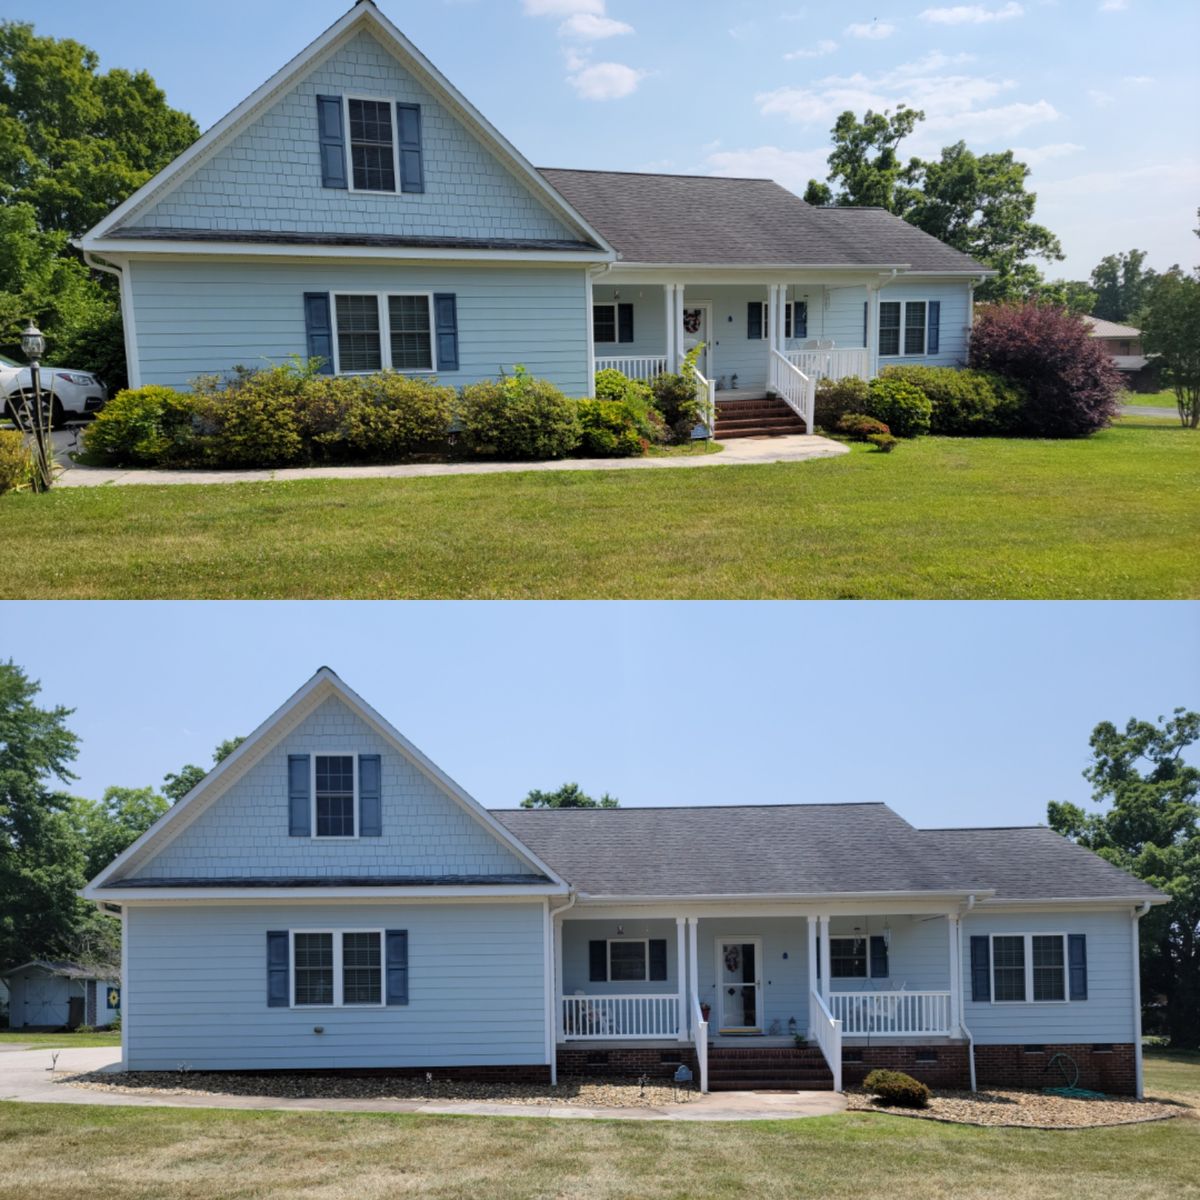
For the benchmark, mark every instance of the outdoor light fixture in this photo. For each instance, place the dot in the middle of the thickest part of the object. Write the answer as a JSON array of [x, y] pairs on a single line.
[[33, 344], [31, 412]]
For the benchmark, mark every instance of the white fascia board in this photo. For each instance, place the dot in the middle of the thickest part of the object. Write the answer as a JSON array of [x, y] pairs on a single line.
[[999, 904], [342, 895], [587, 899], [147, 248]]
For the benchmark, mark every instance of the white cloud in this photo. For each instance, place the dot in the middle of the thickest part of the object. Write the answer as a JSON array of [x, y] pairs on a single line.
[[792, 168], [563, 8], [1113, 5], [1034, 156], [874, 31], [603, 81], [972, 14], [592, 28], [822, 48]]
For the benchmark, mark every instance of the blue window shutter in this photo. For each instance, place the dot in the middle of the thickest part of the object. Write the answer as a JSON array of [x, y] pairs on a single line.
[[370, 799], [397, 966], [800, 323], [879, 958], [1077, 961], [445, 315], [934, 331], [299, 812], [866, 305], [412, 166], [333, 141], [658, 959], [318, 324], [598, 962], [788, 320], [981, 969], [624, 322], [278, 969], [754, 320]]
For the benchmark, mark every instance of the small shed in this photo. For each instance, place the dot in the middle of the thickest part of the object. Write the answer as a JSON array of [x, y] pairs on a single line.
[[61, 995]]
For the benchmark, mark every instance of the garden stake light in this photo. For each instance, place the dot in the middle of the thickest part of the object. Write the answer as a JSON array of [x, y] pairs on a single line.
[[31, 415]]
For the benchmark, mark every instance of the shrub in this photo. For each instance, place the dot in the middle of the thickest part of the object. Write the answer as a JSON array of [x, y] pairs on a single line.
[[677, 398], [1071, 387], [609, 429], [251, 421], [16, 462], [837, 397], [639, 398], [894, 1087], [903, 408], [518, 417], [858, 427], [965, 403], [883, 442], [149, 426]]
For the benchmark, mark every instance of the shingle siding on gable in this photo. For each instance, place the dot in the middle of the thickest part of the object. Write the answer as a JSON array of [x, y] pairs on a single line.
[[245, 832], [269, 176]]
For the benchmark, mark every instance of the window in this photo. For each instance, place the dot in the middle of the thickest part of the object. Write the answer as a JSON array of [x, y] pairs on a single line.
[[612, 323], [372, 146], [795, 320], [914, 327], [1029, 968], [904, 328], [334, 795], [335, 970], [848, 957], [627, 962], [361, 347], [889, 328]]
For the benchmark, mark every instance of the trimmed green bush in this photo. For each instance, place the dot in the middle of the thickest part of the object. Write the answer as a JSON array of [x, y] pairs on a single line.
[[251, 421], [609, 429], [883, 442], [837, 397], [894, 1087], [16, 463], [904, 409], [965, 403], [677, 398], [518, 417], [858, 427], [149, 426], [638, 397]]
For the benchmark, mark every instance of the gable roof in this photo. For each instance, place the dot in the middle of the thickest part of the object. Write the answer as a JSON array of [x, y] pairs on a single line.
[[710, 220], [808, 850], [363, 15], [1110, 329], [321, 686], [66, 970]]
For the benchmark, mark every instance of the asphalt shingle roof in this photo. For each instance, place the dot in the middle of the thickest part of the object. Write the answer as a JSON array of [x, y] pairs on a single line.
[[807, 849], [683, 219]]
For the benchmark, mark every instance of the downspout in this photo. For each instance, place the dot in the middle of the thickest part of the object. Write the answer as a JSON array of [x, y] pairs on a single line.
[[133, 368], [555, 968], [961, 1021], [1135, 943], [593, 273], [873, 326]]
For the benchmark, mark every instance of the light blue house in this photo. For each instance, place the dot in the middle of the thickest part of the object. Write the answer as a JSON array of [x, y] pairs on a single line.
[[328, 898], [357, 208]]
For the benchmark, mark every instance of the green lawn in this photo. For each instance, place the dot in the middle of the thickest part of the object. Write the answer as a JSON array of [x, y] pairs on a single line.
[[1174, 1074], [58, 1041], [1163, 399], [1107, 517]]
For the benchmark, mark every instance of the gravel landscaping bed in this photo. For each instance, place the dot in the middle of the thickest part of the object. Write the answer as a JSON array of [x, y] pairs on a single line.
[[1027, 1110], [589, 1092]]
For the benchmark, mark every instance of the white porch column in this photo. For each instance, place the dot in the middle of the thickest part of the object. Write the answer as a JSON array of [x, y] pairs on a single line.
[[810, 923], [680, 332], [955, 976], [825, 967], [873, 329], [693, 958], [548, 982], [681, 977], [669, 324], [591, 336], [558, 980]]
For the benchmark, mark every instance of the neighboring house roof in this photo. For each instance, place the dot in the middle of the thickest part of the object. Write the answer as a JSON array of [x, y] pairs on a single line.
[[1110, 329], [67, 970], [1130, 362], [807, 849], [700, 219]]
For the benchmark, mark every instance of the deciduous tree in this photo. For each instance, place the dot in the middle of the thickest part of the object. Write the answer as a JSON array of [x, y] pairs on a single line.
[[1171, 332], [176, 786], [570, 795], [1122, 284]]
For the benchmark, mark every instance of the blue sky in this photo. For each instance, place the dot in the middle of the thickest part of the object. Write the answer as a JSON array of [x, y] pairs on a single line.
[[1097, 95], [956, 714]]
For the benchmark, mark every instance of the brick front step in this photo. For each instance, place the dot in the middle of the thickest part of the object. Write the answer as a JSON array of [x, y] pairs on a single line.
[[756, 418], [766, 429], [768, 1069]]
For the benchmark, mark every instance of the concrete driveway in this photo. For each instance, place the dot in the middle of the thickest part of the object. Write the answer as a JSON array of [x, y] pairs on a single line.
[[27, 1075]]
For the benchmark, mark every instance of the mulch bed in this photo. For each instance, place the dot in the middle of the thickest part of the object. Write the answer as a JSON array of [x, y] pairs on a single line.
[[585, 1092], [1026, 1110]]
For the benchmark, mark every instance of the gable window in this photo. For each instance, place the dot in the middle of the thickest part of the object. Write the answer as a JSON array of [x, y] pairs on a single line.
[[848, 957], [1029, 968], [372, 145], [337, 970], [334, 795], [628, 960], [361, 345], [612, 323]]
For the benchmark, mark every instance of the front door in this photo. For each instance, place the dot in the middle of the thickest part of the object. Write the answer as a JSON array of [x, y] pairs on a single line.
[[739, 974], [697, 324]]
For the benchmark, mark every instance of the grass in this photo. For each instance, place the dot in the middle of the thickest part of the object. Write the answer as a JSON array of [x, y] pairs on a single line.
[[1174, 1074], [1107, 517], [1163, 399], [58, 1041]]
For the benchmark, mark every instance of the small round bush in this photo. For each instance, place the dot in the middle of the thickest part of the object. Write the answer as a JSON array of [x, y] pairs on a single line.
[[609, 429], [148, 427], [859, 427], [965, 403], [903, 408], [252, 420], [883, 442], [16, 463], [1071, 386], [896, 1088], [837, 397], [518, 417]]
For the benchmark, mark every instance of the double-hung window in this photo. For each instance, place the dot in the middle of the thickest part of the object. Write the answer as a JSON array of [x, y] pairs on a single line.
[[372, 145], [1029, 968], [848, 957], [903, 328], [612, 323], [334, 795], [628, 960], [337, 969], [384, 332]]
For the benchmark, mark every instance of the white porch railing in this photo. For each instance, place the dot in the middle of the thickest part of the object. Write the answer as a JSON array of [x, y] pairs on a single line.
[[708, 402], [797, 390], [892, 1012], [595, 1018], [827, 1030], [833, 363], [700, 1038], [643, 367]]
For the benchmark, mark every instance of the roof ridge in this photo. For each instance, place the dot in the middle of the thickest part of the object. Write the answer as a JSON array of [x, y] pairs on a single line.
[[978, 828], [663, 175], [709, 807]]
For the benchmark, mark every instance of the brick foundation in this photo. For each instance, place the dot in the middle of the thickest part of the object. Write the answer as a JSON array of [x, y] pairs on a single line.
[[626, 1061], [949, 1070], [1111, 1069]]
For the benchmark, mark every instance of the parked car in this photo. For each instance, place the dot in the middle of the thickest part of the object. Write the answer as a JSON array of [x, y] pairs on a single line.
[[73, 394]]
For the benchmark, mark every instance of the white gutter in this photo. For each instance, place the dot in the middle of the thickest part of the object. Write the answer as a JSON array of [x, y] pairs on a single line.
[[553, 941], [133, 369], [1135, 946]]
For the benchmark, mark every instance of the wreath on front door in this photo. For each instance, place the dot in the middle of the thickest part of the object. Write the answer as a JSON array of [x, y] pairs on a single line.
[[692, 317], [733, 958]]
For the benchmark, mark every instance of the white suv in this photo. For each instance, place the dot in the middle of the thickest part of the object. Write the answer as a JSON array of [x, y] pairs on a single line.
[[74, 395]]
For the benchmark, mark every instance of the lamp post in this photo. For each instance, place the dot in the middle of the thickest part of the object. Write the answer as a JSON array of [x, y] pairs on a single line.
[[36, 424]]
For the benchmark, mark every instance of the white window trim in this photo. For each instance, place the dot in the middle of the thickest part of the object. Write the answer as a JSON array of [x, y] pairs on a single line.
[[645, 942], [336, 935], [851, 937], [789, 317], [385, 334], [391, 102], [901, 351], [1028, 937], [312, 791]]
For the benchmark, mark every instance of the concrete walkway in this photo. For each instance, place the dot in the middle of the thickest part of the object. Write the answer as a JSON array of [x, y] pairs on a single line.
[[25, 1075], [738, 452]]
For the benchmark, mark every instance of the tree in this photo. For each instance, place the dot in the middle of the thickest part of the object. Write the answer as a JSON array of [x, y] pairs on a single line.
[[109, 825], [1074, 295], [176, 786], [865, 163], [570, 795], [1171, 332], [1151, 827], [1122, 285]]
